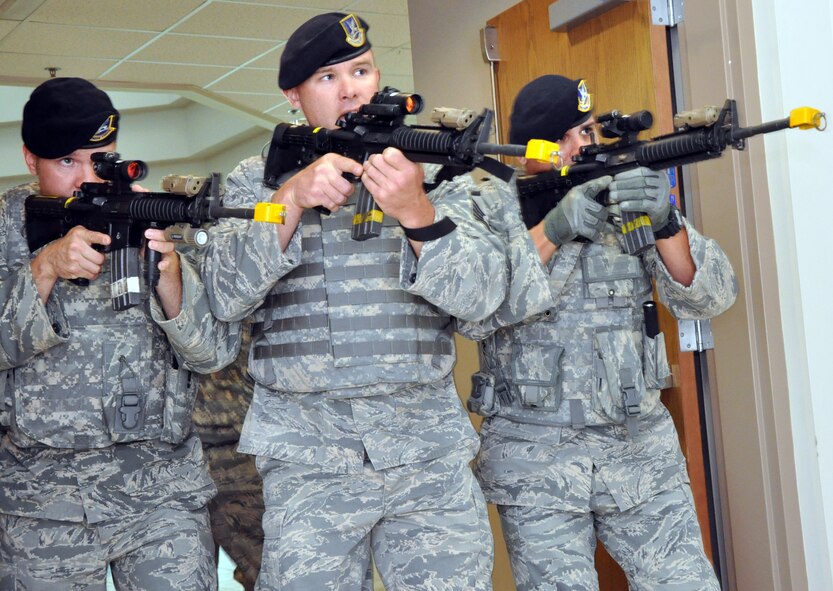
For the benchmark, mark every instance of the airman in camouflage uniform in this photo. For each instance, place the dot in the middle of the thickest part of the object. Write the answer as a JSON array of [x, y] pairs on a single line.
[[576, 444], [98, 466], [237, 511], [355, 422]]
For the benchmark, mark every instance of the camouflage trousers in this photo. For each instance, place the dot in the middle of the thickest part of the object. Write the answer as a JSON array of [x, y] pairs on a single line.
[[556, 494], [658, 545], [426, 524], [164, 550]]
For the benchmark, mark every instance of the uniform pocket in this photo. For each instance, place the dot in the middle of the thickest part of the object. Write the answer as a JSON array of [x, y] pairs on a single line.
[[535, 373], [180, 395], [655, 358], [620, 385]]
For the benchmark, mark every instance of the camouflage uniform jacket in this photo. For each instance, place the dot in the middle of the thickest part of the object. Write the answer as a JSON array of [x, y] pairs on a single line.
[[565, 370], [69, 368], [395, 404]]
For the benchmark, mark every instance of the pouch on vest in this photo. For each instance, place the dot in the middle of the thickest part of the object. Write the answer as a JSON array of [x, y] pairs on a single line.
[[180, 395], [655, 358], [621, 386], [482, 398], [125, 396], [611, 280], [535, 373]]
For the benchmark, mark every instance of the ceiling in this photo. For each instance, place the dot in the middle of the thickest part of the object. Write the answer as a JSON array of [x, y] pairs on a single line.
[[219, 52]]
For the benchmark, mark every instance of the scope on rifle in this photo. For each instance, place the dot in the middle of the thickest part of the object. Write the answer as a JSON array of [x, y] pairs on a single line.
[[108, 167], [387, 105], [615, 125]]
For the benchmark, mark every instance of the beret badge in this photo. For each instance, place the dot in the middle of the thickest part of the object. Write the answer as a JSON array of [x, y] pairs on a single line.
[[585, 100], [104, 130], [353, 29]]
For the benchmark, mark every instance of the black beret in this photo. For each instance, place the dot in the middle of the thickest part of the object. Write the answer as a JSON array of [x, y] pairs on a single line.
[[66, 114], [547, 107], [323, 40]]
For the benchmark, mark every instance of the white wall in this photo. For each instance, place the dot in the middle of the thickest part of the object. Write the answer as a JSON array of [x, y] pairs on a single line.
[[449, 70], [794, 43]]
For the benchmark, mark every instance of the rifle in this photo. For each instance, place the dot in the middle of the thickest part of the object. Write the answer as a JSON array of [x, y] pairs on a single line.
[[700, 135], [113, 208], [459, 142]]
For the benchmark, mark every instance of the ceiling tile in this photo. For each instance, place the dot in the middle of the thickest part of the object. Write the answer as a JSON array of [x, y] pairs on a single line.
[[190, 49], [70, 41], [318, 5], [147, 15], [253, 80], [258, 102], [6, 27], [250, 21], [380, 6], [388, 30], [271, 61], [34, 66], [151, 74]]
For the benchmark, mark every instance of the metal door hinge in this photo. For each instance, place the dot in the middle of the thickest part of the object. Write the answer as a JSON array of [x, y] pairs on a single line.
[[667, 13], [488, 44], [695, 335]]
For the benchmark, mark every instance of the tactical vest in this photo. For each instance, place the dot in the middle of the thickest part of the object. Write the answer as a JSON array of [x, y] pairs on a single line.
[[116, 379], [586, 361], [340, 322]]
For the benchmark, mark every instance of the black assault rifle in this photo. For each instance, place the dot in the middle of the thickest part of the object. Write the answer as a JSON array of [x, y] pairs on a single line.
[[114, 208], [459, 143], [700, 135]]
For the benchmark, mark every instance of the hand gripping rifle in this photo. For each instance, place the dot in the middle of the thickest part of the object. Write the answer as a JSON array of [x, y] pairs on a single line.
[[459, 143], [700, 135], [113, 208]]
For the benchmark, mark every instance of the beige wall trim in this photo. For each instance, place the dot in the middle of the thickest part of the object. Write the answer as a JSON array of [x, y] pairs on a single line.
[[759, 498]]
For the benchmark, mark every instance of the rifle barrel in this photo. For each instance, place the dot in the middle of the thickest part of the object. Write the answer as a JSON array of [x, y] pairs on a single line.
[[504, 149], [745, 132]]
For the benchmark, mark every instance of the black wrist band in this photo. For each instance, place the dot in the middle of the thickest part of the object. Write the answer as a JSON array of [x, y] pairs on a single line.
[[432, 232], [672, 226]]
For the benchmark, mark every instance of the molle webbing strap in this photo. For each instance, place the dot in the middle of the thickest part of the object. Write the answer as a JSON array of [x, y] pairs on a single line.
[[380, 296], [368, 349], [292, 350], [383, 245], [363, 272], [308, 270], [293, 323], [353, 349], [380, 322], [311, 243], [304, 296], [337, 325]]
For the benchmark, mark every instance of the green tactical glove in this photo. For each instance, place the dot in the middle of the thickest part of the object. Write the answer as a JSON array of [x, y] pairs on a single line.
[[643, 190], [577, 214]]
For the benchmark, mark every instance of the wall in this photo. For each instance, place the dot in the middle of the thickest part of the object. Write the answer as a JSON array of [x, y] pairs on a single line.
[[763, 206], [791, 76]]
